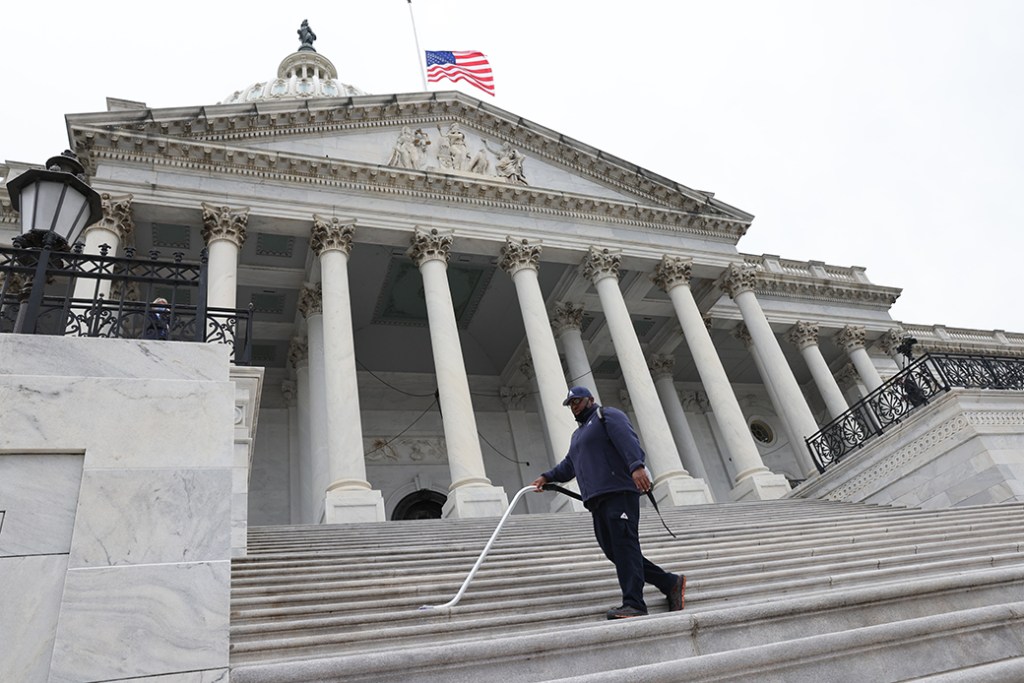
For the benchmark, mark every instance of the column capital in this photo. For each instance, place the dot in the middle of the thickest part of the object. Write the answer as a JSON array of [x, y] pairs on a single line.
[[624, 400], [848, 376], [662, 366], [519, 254], [298, 352], [117, 215], [331, 234], [567, 316], [601, 263], [852, 337], [289, 391], [891, 340], [695, 401], [311, 300], [738, 278], [526, 367], [224, 223], [672, 271], [803, 334], [428, 245], [743, 334]]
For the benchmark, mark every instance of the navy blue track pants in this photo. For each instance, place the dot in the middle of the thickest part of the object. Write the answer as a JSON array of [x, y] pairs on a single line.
[[617, 528]]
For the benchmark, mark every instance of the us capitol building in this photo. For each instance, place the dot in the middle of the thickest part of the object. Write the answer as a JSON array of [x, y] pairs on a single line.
[[428, 273]]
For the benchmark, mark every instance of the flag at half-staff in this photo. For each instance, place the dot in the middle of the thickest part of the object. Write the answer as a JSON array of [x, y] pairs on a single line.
[[469, 66]]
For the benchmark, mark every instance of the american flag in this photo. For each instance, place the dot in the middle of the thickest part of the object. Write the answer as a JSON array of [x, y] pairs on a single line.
[[470, 66]]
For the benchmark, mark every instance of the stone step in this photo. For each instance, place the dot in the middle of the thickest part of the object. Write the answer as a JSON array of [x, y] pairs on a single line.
[[344, 600], [336, 537], [821, 637], [705, 576]]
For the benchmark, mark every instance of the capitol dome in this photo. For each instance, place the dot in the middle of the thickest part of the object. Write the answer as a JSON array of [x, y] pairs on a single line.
[[304, 74]]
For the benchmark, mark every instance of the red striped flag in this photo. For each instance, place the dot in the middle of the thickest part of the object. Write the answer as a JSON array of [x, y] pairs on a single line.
[[470, 66]]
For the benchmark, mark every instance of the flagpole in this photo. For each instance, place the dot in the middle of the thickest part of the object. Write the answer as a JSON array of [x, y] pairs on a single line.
[[419, 53]]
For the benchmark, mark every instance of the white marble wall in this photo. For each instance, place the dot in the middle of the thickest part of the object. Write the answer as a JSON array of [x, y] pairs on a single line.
[[965, 448], [123, 454]]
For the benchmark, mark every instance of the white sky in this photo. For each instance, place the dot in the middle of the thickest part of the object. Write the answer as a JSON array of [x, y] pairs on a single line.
[[887, 134]]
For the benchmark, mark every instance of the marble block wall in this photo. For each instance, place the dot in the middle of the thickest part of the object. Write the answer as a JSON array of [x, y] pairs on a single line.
[[117, 461], [965, 448]]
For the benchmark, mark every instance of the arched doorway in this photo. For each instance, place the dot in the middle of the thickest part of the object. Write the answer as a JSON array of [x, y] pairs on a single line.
[[422, 504]]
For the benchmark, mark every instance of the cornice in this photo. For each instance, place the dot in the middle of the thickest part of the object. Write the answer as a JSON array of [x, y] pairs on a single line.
[[96, 145], [796, 287]]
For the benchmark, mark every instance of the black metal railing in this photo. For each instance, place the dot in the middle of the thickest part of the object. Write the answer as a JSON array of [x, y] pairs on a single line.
[[73, 294], [911, 388]]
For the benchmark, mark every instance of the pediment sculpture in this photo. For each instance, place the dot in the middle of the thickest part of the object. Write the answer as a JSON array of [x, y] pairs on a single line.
[[452, 153]]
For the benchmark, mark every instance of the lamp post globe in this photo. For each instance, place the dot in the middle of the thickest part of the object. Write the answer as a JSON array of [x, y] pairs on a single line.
[[55, 203]]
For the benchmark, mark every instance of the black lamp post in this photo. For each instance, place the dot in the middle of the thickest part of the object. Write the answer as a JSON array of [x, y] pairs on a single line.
[[55, 206]]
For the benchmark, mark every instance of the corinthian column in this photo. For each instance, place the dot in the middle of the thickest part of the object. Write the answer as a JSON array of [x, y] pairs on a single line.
[[752, 481], [520, 259], [739, 282], [662, 369], [350, 497], [851, 338], [318, 476], [567, 322], [671, 481], [115, 227], [224, 235], [804, 336], [471, 493], [301, 472]]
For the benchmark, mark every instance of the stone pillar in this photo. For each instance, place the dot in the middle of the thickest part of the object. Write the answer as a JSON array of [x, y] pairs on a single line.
[[520, 260], [739, 281], [224, 235], [318, 477], [851, 338], [567, 322], [804, 336], [664, 383], [471, 493], [302, 480], [115, 227], [350, 498], [753, 481], [671, 481]]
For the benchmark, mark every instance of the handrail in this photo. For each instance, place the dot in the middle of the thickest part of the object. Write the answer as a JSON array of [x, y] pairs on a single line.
[[480, 560], [912, 387]]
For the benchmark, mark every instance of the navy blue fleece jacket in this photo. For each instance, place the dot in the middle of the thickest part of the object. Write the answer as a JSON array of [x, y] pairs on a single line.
[[601, 457]]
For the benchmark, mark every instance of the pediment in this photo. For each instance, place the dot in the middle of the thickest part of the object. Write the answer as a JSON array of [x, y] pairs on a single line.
[[446, 147]]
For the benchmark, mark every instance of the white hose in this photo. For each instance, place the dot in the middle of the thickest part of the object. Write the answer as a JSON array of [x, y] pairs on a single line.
[[472, 572]]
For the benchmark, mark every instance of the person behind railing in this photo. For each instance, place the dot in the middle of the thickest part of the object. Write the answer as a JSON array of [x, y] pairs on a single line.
[[157, 320], [607, 461], [913, 392]]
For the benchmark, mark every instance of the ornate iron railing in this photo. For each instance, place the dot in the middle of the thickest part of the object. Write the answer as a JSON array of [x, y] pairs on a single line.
[[911, 388], [74, 294]]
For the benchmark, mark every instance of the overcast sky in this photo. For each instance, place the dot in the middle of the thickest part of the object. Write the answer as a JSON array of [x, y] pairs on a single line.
[[883, 134]]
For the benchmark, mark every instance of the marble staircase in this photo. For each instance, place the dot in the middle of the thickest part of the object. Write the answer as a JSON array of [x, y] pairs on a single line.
[[786, 590]]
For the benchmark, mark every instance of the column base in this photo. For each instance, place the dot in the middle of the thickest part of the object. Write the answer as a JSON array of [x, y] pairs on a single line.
[[681, 490], [475, 501], [344, 506], [761, 486]]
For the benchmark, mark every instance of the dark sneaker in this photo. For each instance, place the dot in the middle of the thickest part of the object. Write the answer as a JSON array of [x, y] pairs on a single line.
[[625, 613], [676, 598]]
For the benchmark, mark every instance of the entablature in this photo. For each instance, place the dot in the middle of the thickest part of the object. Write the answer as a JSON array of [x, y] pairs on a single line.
[[120, 147]]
